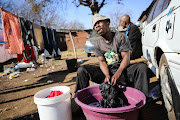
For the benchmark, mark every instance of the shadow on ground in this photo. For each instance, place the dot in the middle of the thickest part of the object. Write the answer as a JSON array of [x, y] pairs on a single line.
[[53, 77]]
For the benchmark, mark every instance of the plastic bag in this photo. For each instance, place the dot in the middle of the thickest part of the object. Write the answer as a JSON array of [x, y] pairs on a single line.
[[23, 65], [14, 75]]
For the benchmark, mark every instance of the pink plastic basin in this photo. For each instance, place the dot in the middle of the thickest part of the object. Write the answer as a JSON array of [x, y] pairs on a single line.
[[92, 94]]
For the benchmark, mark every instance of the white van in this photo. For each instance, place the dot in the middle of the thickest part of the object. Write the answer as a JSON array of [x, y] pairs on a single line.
[[161, 47]]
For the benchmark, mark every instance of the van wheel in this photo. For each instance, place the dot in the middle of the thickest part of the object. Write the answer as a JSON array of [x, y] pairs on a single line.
[[88, 54], [165, 88]]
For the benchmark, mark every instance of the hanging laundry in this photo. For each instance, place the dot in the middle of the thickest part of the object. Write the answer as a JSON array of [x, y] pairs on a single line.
[[50, 43], [47, 46], [35, 50], [38, 36], [27, 32], [55, 45], [50, 40], [29, 41], [24, 56], [31, 53], [12, 32], [5, 56]]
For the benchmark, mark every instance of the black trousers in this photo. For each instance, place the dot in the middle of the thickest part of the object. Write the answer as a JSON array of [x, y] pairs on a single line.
[[135, 74]]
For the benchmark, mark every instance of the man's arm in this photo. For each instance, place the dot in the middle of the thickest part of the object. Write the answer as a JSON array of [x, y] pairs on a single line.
[[104, 68], [125, 62]]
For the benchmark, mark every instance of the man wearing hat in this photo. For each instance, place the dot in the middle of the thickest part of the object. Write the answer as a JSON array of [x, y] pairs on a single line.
[[113, 52]]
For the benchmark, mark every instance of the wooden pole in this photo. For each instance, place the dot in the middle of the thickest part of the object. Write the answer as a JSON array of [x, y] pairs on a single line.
[[74, 47], [138, 60]]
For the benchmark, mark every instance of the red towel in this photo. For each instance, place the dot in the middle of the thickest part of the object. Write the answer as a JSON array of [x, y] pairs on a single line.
[[12, 32], [55, 93]]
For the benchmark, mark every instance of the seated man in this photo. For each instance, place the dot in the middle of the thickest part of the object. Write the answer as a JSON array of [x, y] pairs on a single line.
[[136, 72], [113, 52]]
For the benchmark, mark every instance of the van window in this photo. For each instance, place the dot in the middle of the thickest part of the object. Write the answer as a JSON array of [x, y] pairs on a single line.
[[158, 9], [166, 3], [161, 6], [149, 19]]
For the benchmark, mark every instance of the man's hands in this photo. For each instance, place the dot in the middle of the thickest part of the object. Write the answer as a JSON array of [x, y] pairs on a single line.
[[114, 80], [107, 79]]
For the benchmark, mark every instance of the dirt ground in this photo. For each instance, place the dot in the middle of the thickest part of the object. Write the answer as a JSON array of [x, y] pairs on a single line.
[[17, 95]]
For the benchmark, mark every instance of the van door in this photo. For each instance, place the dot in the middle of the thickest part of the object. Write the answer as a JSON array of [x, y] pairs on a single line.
[[151, 31]]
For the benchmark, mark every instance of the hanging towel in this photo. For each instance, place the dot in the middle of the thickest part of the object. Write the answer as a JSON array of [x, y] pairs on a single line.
[[12, 32], [4, 55], [38, 36], [50, 40], [27, 32], [34, 49], [47, 46], [55, 45]]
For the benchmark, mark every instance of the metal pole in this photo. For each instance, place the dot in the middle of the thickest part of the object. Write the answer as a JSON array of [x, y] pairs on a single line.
[[74, 47]]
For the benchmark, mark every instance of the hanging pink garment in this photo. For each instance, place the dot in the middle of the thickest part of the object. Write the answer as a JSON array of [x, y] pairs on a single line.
[[4, 55], [12, 32]]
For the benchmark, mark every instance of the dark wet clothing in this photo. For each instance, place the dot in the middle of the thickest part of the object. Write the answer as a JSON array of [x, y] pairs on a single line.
[[113, 96]]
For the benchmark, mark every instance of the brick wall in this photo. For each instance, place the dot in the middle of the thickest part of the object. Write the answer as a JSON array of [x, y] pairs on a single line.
[[79, 39], [61, 41]]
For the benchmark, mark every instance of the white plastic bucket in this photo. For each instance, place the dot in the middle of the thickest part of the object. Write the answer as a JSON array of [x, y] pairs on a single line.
[[54, 108]]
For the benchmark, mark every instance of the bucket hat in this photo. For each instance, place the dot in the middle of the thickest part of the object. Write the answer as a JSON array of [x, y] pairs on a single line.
[[98, 17]]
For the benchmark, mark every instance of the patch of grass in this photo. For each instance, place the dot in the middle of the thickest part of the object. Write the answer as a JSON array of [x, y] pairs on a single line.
[[71, 52]]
